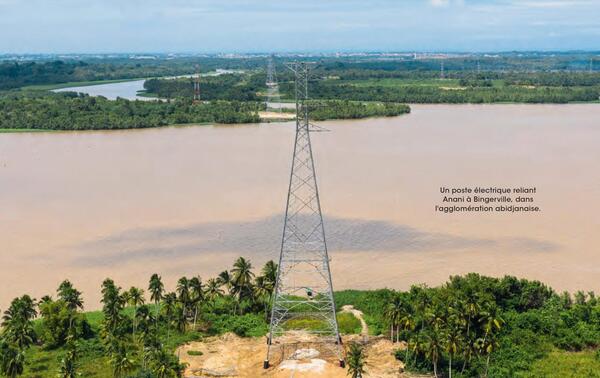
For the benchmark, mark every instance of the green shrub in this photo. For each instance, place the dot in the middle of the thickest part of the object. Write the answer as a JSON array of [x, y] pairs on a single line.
[[248, 325], [348, 323]]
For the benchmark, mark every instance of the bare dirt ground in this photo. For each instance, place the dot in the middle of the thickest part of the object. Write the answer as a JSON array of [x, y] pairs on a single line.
[[231, 356], [270, 116]]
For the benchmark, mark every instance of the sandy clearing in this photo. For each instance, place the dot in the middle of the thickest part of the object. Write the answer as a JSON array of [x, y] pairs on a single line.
[[231, 356]]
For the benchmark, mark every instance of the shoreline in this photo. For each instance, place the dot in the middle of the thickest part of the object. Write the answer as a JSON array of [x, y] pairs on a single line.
[[268, 121]]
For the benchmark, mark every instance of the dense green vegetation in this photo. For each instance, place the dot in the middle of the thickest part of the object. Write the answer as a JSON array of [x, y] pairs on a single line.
[[472, 326], [72, 111], [479, 91], [343, 87], [19, 74], [42, 70], [465, 80], [333, 109], [129, 337], [481, 326], [238, 87]]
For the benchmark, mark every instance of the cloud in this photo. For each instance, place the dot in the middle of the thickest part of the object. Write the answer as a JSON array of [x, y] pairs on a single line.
[[550, 4], [445, 3], [262, 238], [285, 25], [439, 3]]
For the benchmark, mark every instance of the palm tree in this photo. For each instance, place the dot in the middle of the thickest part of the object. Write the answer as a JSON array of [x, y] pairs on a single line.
[[390, 314], [121, 361], [156, 289], [68, 365], [407, 322], [183, 291], [180, 318], [70, 295], [135, 299], [434, 349], [164, 365], [17, 322], [224, 279], [170, 302], [197, 294], [471, 309], [212, 290], [453, 342], [112, 305], [242, 277], [492, 323], [45, 299], [357, 360], [22, 308], [12, 362], [394, 313], [269, 272], [262, 292], [490, 344], [142, 317]]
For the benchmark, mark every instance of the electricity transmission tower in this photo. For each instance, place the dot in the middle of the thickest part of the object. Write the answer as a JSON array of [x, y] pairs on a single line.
[[303, 289], [272, 86], [197, 84], [442, 74]]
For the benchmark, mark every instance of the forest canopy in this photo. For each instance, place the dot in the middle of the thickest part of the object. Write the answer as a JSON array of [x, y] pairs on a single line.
[[72, 111]]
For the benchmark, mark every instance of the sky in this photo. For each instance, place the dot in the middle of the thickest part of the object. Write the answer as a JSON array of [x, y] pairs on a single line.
[[111, 26]]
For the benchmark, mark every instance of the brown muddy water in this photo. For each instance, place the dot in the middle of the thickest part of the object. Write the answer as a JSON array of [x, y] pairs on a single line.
[[189, 200]]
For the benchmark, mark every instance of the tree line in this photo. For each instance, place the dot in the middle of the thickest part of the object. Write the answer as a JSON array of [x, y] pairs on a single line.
[[138, 330], [434, 94], [472, 326], [477, 326], [231, 87], [72, 111], [338, 109], [15, 74]]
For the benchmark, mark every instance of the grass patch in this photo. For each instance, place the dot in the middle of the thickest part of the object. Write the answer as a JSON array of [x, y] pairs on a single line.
[[398, 82], [43, 363], [348, 323], [195, 353], [23, 131], [566, 365]]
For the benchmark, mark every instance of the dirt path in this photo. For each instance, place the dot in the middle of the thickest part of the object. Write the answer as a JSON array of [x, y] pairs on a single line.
[[231, 356], [359, 315]]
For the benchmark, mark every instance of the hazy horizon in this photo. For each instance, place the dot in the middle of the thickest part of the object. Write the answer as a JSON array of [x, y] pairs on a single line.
[[307, 52], [250, 26]]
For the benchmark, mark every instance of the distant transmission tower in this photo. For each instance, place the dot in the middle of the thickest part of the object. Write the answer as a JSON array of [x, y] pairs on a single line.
[[303, 289], [442, 75], [591, 65], [197, 84], [272, 86]]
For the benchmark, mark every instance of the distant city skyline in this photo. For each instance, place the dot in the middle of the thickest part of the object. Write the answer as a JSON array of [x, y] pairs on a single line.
[[212, 26]]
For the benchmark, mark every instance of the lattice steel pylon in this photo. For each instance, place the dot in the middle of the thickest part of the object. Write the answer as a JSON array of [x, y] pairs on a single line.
[[273, 96], [197, 84], [303, 289]]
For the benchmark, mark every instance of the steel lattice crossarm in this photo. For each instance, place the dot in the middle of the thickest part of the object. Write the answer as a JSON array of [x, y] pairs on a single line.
[[304, 292]]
